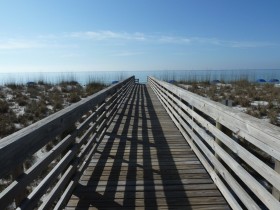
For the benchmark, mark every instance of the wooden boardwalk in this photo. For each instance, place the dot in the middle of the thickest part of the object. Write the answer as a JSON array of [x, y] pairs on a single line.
[[144, 162]]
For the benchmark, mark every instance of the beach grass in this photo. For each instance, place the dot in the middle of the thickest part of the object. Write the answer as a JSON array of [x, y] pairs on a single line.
[[243, 93], [24, 104]]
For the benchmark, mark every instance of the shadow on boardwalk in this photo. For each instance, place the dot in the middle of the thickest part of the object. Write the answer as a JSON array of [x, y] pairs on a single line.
[[134, 166]]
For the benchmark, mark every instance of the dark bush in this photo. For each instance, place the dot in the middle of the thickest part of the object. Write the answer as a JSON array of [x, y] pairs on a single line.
[[94, 87], [6, 125], [74, 97], [4, 106], [15, 86], [22, 101]]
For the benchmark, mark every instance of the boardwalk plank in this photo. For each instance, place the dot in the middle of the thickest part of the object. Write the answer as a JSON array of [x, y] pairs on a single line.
[[144, 162]]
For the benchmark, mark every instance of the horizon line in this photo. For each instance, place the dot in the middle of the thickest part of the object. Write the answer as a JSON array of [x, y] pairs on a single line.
[[84, 71]]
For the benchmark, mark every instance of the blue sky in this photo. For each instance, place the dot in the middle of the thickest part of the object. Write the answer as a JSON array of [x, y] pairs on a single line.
[[89, 35]]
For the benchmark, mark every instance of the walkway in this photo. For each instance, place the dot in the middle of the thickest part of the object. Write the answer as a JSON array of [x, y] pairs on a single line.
[[144, 162]]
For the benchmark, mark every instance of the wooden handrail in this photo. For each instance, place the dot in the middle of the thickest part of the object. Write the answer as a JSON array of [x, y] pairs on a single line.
[[231, 165], [71, 154]]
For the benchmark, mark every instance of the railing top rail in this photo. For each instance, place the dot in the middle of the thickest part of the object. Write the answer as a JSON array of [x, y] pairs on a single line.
[[221, 136], [15, 148], [239, 122]]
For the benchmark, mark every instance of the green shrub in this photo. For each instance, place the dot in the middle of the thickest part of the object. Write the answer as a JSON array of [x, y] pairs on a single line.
[[254, 113], [6, 125], [15, 86], [273, 116], [33, 92], [22, 101], [57, 105], [94, 87], [242, 101], [36, 110], [56, 100], [74, 97], [4, 106]]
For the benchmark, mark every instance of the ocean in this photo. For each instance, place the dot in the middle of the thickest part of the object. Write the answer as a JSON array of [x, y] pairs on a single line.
[[108, 76]]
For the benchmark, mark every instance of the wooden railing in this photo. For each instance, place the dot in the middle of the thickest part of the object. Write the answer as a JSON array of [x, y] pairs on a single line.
[[241, 153], [47, 181]]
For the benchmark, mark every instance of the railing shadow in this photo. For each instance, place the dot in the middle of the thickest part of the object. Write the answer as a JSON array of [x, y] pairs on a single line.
[[87, 194], [165, 160], [140, 142]]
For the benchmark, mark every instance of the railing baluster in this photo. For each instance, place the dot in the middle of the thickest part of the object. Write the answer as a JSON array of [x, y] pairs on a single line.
[[219, 126], [232, 163], [21, 195], [276, 192], [18, 147]]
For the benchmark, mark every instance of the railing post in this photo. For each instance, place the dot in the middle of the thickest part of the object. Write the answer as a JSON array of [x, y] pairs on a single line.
[[226, 131], [223, 129], [192, 116], [220, 127], [275, 192], [21, 195]]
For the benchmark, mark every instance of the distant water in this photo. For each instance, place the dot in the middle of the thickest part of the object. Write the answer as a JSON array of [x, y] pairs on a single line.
[[109, 76]]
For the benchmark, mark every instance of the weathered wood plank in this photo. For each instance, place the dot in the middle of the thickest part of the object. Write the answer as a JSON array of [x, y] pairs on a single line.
[[144, 161], [226, 192], [197, 207], [147, 202], [249, 180], [262, 168], [14, 149], [18, 147], [179, 104], [263, 135]]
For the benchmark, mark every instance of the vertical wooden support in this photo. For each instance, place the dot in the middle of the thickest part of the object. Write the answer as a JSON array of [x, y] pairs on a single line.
[[180, 107], [220, 127], [192, 116], [275, 192], [98, 125], [228, 132], [21, 195], [223, 129], [192, 127]]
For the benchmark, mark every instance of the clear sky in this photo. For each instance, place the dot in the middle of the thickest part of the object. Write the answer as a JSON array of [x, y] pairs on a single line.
[[88, 35]]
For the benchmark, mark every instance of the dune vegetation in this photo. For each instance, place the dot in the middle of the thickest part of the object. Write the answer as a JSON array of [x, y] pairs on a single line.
[[24, 104], [261, 100]]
